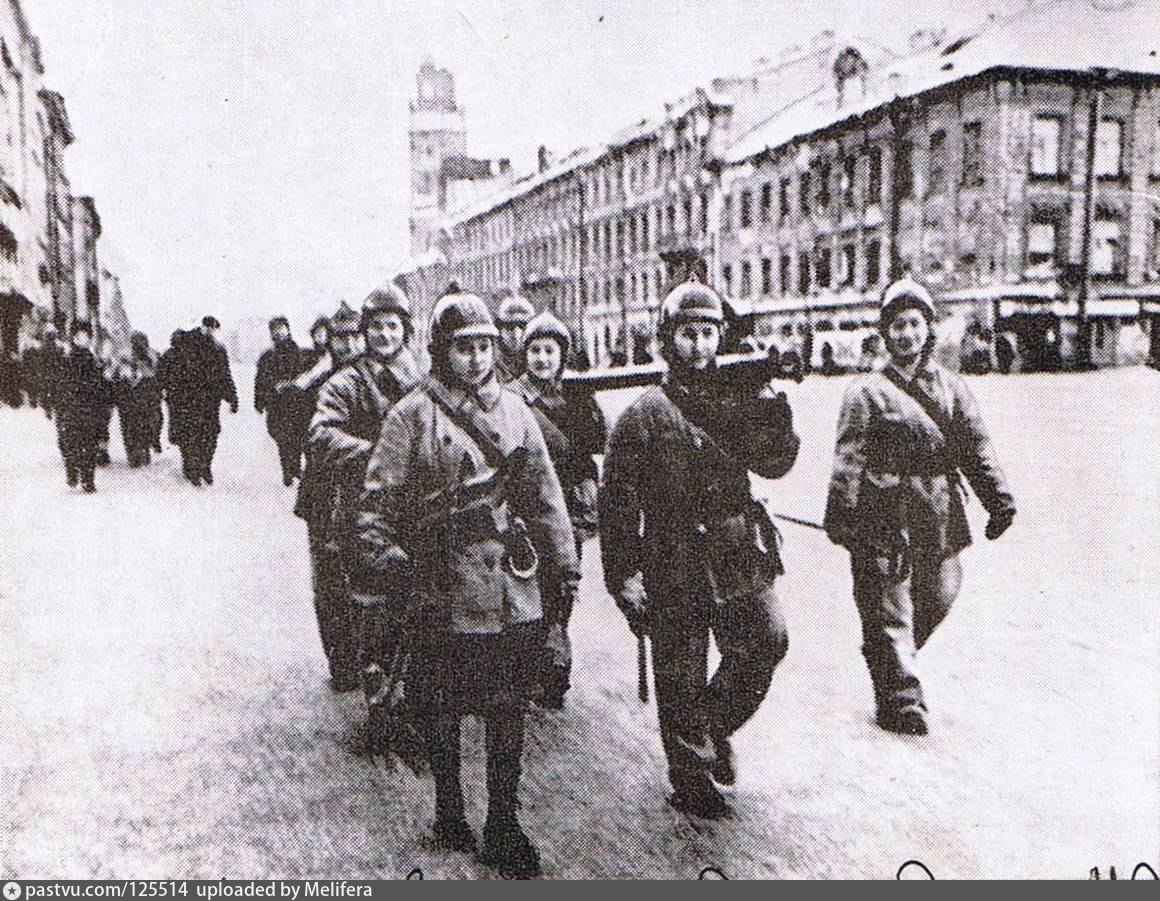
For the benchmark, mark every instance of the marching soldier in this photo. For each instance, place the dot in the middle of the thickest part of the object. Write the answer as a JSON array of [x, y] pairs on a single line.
[[464, 507], [905, 434], [512, 319], [278, 365], [687, 551], [574, 430], [349, 412], [82, 393]]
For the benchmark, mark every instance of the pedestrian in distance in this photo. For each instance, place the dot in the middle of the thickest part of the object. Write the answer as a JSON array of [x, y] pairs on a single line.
[[347, 418], [197, 380], [689, 552], [512, 320], [574, 430], [907, 435], [465, 525], [147, 363], [133, 395], [82, 395], [278, 366]]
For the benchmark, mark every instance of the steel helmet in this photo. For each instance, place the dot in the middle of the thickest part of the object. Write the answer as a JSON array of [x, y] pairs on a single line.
[[905, 292], [690, 302], [515, 310], [460, 316], [548, 325]]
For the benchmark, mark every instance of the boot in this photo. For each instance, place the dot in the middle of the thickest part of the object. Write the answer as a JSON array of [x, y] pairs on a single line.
[[453, 834], [698, 797], [723, 769], [908, 719], [508, 849]]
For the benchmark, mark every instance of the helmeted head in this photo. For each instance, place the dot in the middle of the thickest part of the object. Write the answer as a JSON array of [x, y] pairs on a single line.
[[547, 343], [386, 321], [280, 328], [512, 320], [906, 321], [463, 337], [691, 325], [344, 333]]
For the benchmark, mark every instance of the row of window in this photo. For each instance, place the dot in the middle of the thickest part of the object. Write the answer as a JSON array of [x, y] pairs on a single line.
[[812, 268]]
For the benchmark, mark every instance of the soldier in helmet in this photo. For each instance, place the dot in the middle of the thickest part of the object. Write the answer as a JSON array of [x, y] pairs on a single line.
[[906, 436], [688, 552], [574, 430], [348, 414], [512, 320], [463, 505]]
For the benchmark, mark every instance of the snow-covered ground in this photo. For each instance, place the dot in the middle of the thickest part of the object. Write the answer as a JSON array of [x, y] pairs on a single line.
[[164, 710]]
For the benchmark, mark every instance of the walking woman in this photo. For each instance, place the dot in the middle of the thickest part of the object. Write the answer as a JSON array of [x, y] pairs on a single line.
[[574, 431], [348, 414], [462, 504], [689, 553], [906, 435]]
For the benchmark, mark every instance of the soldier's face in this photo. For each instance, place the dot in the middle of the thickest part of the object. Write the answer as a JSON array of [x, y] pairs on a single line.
[[696, 343], [385, 334], [512, 336], [471, 360], [907, 334], [343, 346], [544, 358]]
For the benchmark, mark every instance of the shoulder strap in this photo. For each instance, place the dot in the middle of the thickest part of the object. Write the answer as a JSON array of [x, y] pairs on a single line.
[[928, 404], [476, 431]]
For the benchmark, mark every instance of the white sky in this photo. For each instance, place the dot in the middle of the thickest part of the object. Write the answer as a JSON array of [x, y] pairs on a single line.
[[250, 156]]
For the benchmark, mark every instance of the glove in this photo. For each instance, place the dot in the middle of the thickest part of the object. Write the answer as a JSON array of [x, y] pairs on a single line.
[[999, 523], [633, 603]]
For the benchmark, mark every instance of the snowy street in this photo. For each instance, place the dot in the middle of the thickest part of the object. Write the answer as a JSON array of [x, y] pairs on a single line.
[[165, 713]]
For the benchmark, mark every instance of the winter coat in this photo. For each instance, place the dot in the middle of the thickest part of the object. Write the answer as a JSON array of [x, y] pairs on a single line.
[[458, 578], [136, 395], [83, 395], [676, 503], [280, 364], [574, 431], [348, 415], [895, 472], [195, 374]]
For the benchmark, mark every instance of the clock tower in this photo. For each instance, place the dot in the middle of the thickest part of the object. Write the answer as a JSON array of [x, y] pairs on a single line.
[[438, 131]]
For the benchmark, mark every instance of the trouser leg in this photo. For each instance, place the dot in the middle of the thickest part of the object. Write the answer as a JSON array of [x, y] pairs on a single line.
[[505, 746], [332, 606], [680, 658], [751, 635], [936, 586], [443, 741], [885, 605], [209, 448], [290, 457]]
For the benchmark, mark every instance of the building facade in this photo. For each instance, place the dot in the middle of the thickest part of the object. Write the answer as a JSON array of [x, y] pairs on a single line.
[[1017, 176]]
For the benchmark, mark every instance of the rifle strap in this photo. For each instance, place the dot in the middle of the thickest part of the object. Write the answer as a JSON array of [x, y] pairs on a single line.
[[477, 431], [929, 405]]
